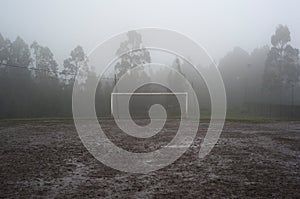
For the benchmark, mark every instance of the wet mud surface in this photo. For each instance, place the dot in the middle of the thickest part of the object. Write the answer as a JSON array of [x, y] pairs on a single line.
[[251, 159]]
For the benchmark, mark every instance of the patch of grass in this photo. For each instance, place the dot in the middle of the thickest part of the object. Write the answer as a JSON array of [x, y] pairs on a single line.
[[237, 116], [230, 116]]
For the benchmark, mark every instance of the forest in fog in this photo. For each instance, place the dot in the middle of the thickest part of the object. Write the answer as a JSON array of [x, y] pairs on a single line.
[[263, 82]]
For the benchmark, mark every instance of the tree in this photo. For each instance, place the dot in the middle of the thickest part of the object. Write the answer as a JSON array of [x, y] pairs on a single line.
[[172, 77], [19, 53], [281, 67], [4, 79], [132, 54], [47, 88], [255, 74], [234, 68], [44, 62], [72, 64], [4, 49], [281, 63], [18, 80]]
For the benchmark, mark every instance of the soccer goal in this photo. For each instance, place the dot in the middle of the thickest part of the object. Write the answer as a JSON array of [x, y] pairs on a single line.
[[141, 102]]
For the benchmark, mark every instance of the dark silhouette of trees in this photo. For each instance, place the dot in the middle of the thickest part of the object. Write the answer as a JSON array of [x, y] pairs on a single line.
[[72, 64], [45, 63], [234, 68], [266, 81], [282, 60], [14, 100], [281, 69], [47, 99]]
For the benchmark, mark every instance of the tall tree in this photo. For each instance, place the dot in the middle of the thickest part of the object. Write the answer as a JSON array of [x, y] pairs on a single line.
[[4, 79], [4, 49], [282, 60], [47, 90], [234, 69], [44, 62], [255, 74], [19, 79], [132, 53], [281, 68], [77, 59]]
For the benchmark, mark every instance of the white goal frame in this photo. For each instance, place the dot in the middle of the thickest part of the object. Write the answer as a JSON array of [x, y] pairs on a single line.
[[157, 93]]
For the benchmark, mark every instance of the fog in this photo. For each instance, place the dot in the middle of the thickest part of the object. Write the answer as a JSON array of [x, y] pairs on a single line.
[[218, 25], [149, 98], [253, 43]]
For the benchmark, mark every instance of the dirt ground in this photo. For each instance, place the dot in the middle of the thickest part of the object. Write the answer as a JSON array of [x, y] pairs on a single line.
[[251, 159]]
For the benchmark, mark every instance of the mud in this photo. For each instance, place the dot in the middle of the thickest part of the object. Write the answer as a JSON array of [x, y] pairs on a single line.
[[251, 159]]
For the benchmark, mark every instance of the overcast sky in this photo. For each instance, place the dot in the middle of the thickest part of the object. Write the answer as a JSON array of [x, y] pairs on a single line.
[[217, 25]]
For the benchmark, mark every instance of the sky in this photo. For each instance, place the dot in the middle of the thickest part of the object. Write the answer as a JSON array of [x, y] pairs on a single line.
[[219, 25]]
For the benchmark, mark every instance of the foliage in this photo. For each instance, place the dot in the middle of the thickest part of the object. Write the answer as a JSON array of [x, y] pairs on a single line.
[[38, 89]]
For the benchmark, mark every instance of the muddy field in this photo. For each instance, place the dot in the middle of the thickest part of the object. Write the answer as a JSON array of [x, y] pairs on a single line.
[[251, 159]]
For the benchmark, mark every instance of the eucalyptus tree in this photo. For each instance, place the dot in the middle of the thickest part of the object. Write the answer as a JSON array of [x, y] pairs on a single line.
[[281, 66]]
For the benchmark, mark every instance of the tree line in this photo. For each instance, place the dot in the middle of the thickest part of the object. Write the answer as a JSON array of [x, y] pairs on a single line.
[[266, 81], [31, 84]]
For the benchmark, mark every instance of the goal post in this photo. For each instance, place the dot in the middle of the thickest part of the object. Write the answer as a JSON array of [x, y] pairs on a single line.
[[162, 98]]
